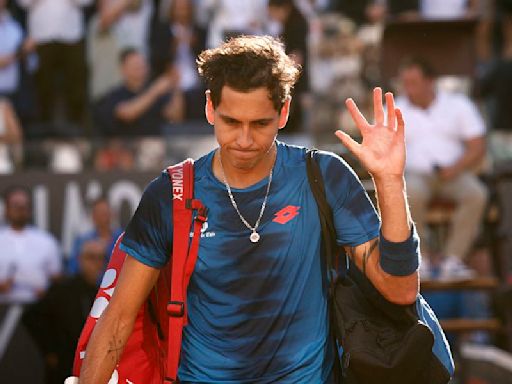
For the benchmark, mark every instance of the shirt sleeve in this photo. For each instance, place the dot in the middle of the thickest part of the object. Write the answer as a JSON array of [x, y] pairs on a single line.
[[54, 258], [470, 121], [355, 217], [148, 236], [72, 266]]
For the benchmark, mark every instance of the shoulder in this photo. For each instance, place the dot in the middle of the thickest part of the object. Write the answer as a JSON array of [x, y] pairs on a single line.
[[292, 155], [160, 186], [42, 237], [15, 26], [328, 161], [402, 102], [455, 100], [332, 164]]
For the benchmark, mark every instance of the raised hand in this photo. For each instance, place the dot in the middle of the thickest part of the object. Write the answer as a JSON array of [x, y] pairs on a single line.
[[382, 151]]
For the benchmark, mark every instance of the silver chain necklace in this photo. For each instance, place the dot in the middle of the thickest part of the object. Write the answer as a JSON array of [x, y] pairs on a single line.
[[255, 236]]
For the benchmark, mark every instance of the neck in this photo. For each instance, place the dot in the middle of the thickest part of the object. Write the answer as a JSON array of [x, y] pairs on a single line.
[[103, 231], [18, 227], [426, 101], [243, 178], [134, 86]]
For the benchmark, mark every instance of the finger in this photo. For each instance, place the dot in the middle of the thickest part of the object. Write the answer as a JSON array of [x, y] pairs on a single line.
[[357, 116], [353, 146], [390, 104], [378, 110], [400, 127]]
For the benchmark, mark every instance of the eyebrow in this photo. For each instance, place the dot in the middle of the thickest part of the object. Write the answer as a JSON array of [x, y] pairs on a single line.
[[229, 118]]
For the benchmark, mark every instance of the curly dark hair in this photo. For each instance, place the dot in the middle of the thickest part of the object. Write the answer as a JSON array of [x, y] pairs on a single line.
[[245, 63]]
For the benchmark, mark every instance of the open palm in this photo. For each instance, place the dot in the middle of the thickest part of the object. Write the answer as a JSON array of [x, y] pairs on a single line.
[[382, 151]]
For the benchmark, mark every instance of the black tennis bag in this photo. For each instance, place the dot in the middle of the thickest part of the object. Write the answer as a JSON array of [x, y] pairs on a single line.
[[377, 341]]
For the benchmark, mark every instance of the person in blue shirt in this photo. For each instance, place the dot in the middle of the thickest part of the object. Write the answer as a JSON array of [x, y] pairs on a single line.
[[256, 303], [102, 231]]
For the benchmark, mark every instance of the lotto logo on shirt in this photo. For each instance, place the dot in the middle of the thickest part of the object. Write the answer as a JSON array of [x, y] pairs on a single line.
[[286, 214], [204, 231]]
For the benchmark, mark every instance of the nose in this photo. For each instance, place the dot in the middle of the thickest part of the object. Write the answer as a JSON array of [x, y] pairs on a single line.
[[244, 139]]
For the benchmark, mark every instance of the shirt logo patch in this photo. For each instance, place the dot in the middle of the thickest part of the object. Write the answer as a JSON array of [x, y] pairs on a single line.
[[204, 231], [286, 214]]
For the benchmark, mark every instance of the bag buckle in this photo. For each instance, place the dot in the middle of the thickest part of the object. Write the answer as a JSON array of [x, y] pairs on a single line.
[[202, 214], [176, 308]]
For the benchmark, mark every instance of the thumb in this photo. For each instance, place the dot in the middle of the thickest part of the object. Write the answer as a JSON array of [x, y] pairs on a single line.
[[353, 146]]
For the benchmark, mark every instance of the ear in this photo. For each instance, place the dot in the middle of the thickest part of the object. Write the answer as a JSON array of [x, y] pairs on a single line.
[[285, 111], [209, 110]]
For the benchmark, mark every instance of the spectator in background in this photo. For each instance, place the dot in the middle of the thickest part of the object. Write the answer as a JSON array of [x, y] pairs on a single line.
[[294, 34], [115, 156], [30, 258], [57, 320], [138, 107], [175, 45], [11, 138], [57, 28], [10, 45], [228, 18], [103, 232], [117, 25], [445, 140], [361, 11], [453, 9]]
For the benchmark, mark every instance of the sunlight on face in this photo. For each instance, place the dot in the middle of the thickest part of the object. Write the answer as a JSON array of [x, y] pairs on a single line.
[[246, 125]]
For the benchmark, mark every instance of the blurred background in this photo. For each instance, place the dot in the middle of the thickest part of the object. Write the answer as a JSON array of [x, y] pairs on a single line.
[[96, 97]]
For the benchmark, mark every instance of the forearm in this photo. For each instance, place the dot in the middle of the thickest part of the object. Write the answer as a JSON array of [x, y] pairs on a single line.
[[13, 134], [394, 274], [7, 60], [104, 349], [110, 13], [471, 158], [133, 109], [393, 207]]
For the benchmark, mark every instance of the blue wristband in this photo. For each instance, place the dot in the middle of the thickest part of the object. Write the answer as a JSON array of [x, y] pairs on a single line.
[[400, 259]]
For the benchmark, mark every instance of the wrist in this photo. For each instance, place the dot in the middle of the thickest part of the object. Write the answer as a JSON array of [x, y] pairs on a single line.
[[389, 181], [400, 258]]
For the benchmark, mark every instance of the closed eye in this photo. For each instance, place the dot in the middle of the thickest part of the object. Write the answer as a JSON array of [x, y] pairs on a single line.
[[263, 123]]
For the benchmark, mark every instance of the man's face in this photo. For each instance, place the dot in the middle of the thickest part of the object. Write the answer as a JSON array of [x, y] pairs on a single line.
[[279, 14], [17, 209], [416, 85], [92, 261], [246, 125], [135, 69], [182, 10], [101, 215]]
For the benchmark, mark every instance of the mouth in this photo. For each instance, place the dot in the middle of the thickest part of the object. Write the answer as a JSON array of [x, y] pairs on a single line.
[[243, 153]]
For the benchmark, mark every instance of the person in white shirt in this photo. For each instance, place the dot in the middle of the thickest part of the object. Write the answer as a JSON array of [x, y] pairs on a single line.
[[445, 140], [57, 28], [452, 9], [118, 25], [30, 258], [228, 18]]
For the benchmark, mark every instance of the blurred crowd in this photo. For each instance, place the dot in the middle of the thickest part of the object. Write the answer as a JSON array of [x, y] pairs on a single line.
[[82, 81], [108, 85]]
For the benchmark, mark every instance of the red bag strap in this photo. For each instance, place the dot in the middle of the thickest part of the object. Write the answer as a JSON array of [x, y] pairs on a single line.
[[184, 256]]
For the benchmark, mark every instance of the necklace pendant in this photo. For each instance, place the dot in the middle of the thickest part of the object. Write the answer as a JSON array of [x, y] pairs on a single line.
[[255, 237]]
